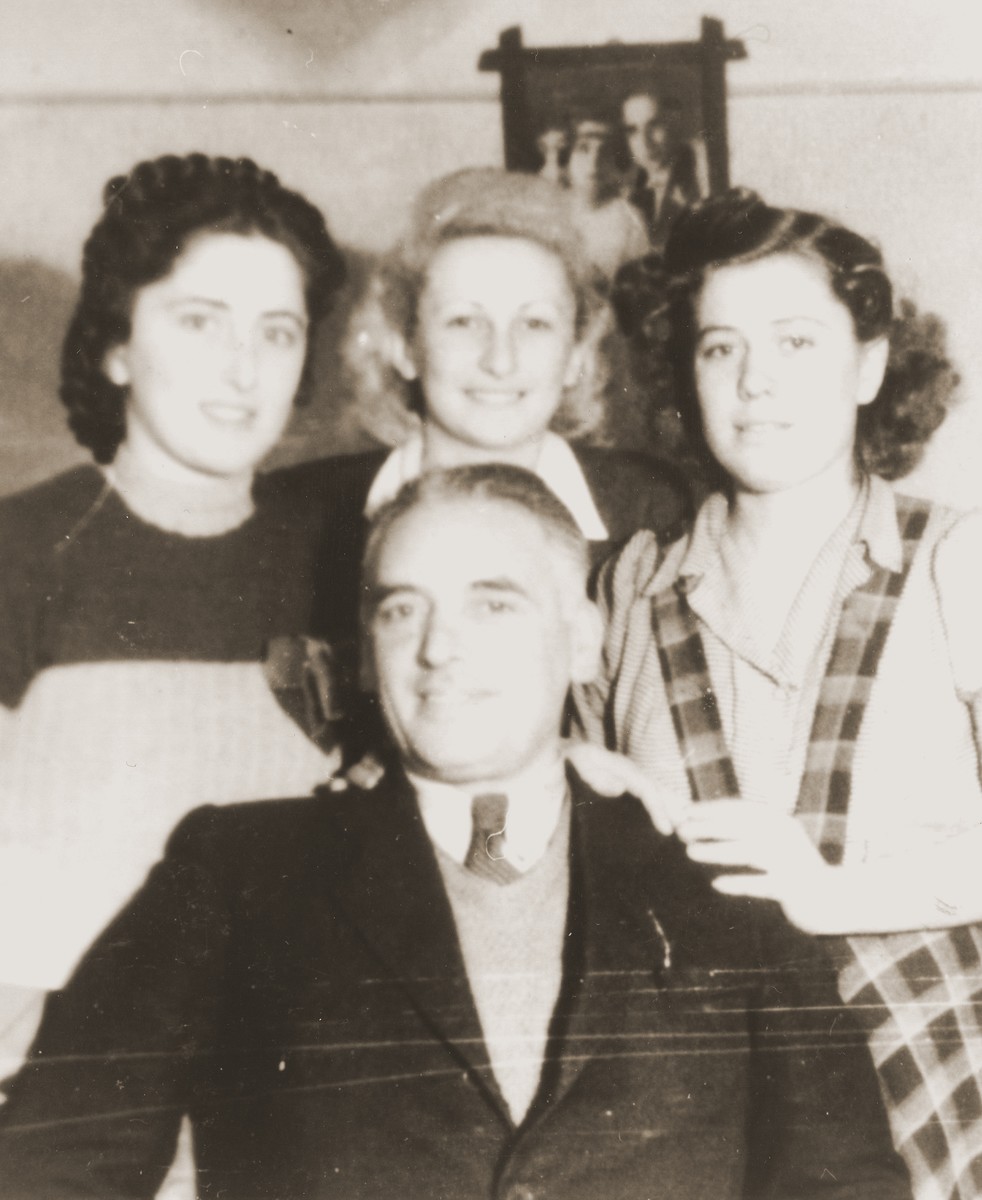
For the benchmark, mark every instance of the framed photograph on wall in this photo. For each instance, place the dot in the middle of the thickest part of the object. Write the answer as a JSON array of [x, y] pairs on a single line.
[[643, 123]]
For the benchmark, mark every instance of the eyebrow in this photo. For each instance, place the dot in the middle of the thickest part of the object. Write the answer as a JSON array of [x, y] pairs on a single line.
[[289, 313], [706, 329], [800, 317], [499, 584], [221, 306], [206, 301], [380, 592]]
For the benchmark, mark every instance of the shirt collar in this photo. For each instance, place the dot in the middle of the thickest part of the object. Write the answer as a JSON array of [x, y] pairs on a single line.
[[557, 467], [404, 463], [535, 801], [877, 531]]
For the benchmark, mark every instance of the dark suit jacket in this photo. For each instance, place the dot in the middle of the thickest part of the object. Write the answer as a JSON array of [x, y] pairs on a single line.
[[681, 190], [290, 977]]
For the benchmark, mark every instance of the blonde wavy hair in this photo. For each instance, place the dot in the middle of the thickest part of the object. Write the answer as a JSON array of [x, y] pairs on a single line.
[[475, 202]]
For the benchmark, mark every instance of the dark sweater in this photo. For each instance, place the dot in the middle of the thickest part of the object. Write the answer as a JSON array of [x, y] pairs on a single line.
[[85, 580]]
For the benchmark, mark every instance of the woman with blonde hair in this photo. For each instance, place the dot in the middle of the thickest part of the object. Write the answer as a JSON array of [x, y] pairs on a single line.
[[477, 341]]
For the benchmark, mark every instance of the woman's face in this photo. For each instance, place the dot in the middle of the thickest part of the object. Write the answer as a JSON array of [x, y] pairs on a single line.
[[214, 358], [583, 168], [780, 373], [495, 343]]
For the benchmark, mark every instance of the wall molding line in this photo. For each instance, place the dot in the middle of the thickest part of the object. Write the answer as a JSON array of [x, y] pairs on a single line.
[[736, 91]]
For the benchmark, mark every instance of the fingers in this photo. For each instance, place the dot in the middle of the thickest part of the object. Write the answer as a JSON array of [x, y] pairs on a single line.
[[759, 887], [735, 854], [611, 774], [607, 773], [721, 820]]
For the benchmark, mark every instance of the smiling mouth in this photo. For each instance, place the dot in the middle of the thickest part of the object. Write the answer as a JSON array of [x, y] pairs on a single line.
[[232, 415], [496, 399]]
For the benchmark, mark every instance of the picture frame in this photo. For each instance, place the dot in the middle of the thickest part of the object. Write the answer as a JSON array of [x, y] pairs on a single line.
[[552, 98]]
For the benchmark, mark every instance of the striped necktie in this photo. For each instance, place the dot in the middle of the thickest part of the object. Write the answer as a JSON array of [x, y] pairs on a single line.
[[486, 853]]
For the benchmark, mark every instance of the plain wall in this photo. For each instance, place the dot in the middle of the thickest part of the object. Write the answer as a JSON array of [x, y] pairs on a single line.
[[870, 111]]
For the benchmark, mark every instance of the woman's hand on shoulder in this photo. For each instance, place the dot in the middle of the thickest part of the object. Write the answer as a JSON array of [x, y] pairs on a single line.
[[771, 857], [611, 774]]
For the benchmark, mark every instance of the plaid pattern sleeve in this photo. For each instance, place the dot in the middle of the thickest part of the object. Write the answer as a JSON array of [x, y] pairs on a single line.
[[695, 712], [918, 995]]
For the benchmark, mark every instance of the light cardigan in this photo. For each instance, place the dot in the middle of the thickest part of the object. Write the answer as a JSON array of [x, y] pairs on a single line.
[[916, 769]]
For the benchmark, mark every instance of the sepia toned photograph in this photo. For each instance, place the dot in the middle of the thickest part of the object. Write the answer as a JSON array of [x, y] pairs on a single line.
[[490, 575]]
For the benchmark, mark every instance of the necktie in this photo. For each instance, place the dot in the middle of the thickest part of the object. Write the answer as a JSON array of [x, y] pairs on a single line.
[[486, 853]]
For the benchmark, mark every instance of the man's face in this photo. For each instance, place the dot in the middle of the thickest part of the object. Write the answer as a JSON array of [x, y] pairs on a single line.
[[645, 129], [477, 626]]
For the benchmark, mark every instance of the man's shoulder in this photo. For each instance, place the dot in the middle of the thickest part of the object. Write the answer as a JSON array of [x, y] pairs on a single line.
[[656, 878], [262, 833], [627, 848]]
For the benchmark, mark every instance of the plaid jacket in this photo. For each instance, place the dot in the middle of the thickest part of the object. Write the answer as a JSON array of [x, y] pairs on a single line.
[[918, 995]]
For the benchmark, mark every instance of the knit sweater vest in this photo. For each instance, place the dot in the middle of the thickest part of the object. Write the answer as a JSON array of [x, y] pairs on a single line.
[[511, 938]]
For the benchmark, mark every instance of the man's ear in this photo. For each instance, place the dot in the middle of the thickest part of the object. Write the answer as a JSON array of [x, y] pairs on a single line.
[[116, 366], [400, 355], [872, 368], [587, 642]]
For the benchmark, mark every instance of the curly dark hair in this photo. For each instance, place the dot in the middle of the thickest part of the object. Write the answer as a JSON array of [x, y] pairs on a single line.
[[149, 217], [655, 298]]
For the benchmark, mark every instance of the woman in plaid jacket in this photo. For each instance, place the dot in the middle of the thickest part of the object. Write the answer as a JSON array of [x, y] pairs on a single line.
[[806, 663]]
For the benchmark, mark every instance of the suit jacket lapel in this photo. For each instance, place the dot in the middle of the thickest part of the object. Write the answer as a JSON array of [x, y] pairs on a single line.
[[614, 932], [389, 886]]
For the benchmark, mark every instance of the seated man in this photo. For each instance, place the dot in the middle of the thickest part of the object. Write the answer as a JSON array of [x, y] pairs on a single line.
[[478, 980]]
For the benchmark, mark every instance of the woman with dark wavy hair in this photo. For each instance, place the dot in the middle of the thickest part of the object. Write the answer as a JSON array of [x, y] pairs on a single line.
[[140, 594], [800, 677]]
